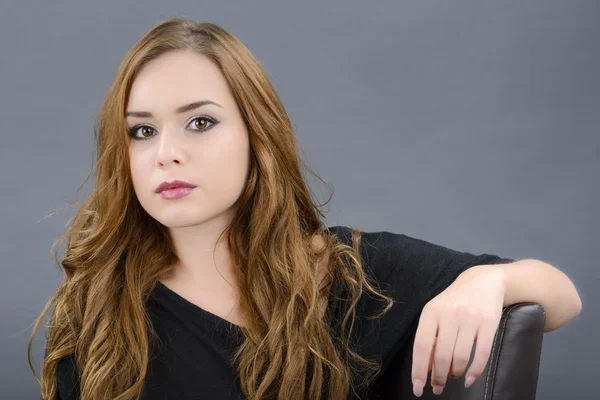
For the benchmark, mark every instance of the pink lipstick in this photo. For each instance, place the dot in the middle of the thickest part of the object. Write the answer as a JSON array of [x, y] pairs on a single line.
[[174, 189]]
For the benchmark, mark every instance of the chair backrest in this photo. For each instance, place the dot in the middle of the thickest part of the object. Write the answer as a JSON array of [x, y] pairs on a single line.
[[511, 372]]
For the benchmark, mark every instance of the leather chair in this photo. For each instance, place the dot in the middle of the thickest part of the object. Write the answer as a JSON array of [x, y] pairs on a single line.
[[510, 374]]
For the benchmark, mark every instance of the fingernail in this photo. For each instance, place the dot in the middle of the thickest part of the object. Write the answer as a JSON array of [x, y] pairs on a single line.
[[418, 387], [437, 389], [469, 381]]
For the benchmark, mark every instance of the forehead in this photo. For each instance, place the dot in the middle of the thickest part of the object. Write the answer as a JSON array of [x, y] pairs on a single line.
[[176, 78]]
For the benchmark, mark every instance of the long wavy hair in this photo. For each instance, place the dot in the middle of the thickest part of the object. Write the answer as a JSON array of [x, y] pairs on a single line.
[[116, 252]]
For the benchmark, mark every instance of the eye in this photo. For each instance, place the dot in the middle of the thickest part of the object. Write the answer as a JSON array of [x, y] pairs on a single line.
[[144, 128], [203, 123]]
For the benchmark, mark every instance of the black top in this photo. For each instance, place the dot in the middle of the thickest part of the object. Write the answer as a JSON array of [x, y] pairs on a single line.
[[192, 359]]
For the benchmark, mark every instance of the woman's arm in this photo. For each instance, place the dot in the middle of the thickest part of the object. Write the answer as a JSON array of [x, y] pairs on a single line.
[[535, 281], [471, 307]]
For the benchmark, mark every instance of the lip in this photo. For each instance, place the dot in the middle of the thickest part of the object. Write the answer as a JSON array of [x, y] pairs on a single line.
[[173, 185], [170, 194]]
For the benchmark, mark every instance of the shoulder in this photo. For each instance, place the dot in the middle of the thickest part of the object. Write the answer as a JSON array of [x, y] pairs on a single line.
[[387, 254], [373, 244]]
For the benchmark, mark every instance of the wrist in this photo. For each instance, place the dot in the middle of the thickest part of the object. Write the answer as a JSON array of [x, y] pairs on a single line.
[[495, 273]]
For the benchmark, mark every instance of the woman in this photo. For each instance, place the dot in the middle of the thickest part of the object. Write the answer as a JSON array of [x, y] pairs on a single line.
[[199, 266]]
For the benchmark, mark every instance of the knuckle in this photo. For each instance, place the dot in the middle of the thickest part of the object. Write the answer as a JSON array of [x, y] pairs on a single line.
[[443, 359], [460, 361], [482, 352], [478, 366], [467, 313], [420, 346], [438, 380], [464, 309]]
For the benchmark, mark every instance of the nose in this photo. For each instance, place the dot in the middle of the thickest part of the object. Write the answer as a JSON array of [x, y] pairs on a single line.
[[170, 147]]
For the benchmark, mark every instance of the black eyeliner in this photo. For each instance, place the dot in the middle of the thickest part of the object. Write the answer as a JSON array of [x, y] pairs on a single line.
[[213, 122]]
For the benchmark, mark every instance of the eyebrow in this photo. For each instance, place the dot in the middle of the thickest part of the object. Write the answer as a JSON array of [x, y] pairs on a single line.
[[179, 110]]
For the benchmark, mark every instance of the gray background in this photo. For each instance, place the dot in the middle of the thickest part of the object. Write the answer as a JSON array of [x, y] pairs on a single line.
[[470, 124]]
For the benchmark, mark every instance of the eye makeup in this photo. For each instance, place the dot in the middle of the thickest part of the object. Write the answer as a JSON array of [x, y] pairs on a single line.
[[212, 123]]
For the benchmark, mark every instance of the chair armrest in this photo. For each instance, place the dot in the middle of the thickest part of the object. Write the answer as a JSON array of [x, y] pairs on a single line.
[[511, 372]]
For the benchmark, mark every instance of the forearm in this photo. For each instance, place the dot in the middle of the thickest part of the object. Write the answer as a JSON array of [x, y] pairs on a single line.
[[535, 281]]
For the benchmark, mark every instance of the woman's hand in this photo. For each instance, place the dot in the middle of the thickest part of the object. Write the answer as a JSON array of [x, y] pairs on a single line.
[[468, 311]]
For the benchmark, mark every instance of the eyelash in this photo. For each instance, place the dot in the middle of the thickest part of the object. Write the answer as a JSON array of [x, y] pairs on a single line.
[[212, 121]]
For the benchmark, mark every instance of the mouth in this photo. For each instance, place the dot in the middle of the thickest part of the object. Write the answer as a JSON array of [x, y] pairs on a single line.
[[174, 185], [175, 193]]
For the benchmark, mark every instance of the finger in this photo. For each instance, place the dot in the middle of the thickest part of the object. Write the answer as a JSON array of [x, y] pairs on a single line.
[[462, 350], [444, 348], [422, 349], [483, 348], [430, 365]]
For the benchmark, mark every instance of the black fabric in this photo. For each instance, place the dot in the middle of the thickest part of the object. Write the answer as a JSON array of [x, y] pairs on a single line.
[[192, 358]]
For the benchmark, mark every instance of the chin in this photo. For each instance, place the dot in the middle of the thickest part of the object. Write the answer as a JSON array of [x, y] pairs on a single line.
[[178, 220]]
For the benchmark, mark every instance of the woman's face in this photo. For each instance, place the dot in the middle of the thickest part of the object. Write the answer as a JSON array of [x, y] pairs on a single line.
[[206, 146]]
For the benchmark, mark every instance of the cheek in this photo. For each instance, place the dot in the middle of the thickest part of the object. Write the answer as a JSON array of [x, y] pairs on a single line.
[[228, 170], [136, 169]]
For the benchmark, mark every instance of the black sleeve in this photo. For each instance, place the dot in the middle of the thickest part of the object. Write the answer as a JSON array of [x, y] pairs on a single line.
[[68, 377], [412, 271]]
